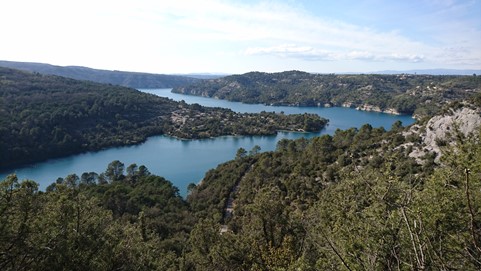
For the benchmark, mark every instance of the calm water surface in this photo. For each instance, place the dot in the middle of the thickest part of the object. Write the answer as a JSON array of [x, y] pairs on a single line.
[[186, 161]]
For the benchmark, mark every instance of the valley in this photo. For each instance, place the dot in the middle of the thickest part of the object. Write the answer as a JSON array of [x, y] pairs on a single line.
[[322, 198]]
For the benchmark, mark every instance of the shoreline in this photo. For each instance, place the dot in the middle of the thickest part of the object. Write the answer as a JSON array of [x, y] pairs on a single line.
[[12, 168], [364, 107]]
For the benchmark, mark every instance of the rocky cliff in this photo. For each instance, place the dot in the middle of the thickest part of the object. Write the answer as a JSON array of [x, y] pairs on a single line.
[[443, 129]]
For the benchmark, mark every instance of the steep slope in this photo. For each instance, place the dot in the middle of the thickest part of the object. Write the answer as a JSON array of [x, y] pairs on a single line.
[[443, 129]]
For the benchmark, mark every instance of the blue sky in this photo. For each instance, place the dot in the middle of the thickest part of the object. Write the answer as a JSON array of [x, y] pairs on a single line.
[[241, 36]]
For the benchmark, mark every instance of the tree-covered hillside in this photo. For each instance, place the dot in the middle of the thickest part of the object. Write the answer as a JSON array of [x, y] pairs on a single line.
[[50, 116], [121, 78], [355, 200], [421, 95]]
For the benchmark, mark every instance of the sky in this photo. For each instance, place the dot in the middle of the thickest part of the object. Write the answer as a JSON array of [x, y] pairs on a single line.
[[219, 36]]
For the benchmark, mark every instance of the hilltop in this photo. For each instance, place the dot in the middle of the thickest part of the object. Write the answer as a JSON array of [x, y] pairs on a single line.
[[431, 72]]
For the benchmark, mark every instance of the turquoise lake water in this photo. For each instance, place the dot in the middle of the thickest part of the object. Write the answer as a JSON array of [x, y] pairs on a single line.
[[186, 161]]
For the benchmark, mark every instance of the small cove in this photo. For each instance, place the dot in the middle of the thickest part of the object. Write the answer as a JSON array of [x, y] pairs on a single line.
[[186, 161]]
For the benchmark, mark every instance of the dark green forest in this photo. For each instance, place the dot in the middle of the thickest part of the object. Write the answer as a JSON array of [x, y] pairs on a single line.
[[46, 116], [354, 200], [421, 95]]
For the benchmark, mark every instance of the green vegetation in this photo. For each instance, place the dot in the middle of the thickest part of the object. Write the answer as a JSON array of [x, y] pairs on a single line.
[[135, 222], [204, 122], [422, 95], [50, 116], [355, 200], [121, 78]]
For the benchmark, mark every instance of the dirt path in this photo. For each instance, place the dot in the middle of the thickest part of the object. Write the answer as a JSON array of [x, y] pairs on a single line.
[[229, 207]]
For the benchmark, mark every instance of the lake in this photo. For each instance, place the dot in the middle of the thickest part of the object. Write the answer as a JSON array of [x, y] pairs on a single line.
[[186, 161]]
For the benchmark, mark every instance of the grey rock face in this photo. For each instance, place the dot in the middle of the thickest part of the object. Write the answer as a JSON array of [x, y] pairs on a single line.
[[441, 130]]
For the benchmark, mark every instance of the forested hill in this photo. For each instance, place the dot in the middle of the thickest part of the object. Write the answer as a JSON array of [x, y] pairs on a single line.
[[361, 199], [44, 116], [408, 94], [121, 78]]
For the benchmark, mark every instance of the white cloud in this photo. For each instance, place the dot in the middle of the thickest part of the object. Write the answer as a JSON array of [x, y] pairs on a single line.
[[150, 35], [289, 51], [311, 54], [268, 29]]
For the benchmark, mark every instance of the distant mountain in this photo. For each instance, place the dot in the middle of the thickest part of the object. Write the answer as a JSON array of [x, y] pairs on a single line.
[[432, 72], [205, 75], [122, 78]]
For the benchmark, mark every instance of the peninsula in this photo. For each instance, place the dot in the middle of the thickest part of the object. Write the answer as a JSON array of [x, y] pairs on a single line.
[[45, 116]]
